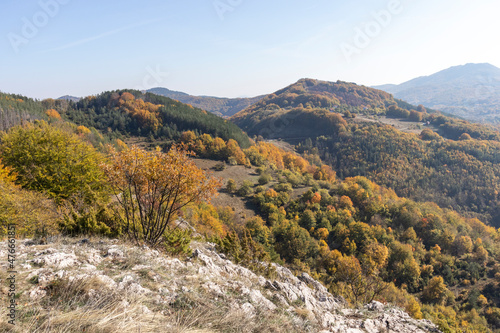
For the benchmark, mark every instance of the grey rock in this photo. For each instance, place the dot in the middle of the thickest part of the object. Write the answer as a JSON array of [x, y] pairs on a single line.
[[212, 276], [375, 306]]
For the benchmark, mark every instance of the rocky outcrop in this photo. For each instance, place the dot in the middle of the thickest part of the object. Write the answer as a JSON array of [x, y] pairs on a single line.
[[206, 276]]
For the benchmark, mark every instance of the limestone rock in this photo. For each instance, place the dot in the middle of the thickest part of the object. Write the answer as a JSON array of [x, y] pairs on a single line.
[[208, 276]]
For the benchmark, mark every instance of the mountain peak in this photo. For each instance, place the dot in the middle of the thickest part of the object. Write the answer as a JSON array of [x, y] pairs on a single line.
[[474, 69], [471, 91], [69, 98]]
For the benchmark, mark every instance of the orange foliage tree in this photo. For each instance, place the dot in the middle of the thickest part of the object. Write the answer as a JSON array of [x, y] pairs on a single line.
[[205, 219], [152, 187], [145, 113], [53, 114]]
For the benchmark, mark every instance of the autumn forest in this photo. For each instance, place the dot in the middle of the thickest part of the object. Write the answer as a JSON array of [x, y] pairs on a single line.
[[338, 190]]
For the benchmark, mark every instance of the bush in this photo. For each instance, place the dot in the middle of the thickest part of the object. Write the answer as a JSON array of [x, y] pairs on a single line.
[[153, 187], [245, 189], [55, 162], [231, 186], [283, 187], [32, 213], [220, 166], [265, 178], [177, 241], [436, 291], [95, 221]]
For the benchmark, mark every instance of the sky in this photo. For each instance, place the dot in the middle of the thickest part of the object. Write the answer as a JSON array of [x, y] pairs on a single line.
[[235, 48]]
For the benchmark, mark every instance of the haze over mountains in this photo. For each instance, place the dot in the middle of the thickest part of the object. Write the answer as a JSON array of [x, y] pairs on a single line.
[[471, 91], [69, 98], [224, 107]]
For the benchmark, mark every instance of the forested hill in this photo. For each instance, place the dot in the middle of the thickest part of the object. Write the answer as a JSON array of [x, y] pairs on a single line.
[[446, 160], [309, 93], [224, 107], [131, 112], [310, 107]]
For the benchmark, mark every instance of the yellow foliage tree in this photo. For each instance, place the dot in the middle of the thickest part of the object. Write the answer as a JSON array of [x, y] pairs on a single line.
[[188, 137], [82, 130], [218, 148], [322, 233], [413, 308], [360, 287], [6, 173], [435, 291], [375, 257], [481, 255], [235, 151], [482, 301], [50, 160]]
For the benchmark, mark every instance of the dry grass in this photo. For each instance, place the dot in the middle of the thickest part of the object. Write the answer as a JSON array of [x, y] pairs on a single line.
[[70, 306], [304, 313], [70, 309], [238, 173], [91, 305]]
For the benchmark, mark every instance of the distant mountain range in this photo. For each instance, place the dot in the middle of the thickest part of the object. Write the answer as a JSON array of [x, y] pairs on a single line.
[[70, 98], [470, 91], [224, 107]]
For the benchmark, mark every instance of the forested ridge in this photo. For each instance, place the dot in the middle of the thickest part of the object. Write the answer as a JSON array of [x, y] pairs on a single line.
[[133, 113]]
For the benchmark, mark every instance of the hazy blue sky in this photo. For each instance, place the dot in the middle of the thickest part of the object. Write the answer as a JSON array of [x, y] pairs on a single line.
[[235, 48]]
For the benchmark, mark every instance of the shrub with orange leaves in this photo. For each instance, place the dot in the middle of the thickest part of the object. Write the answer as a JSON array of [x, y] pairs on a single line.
[[293, 161], [346, 202], [152, 187], [270, 193], [325, 172]]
